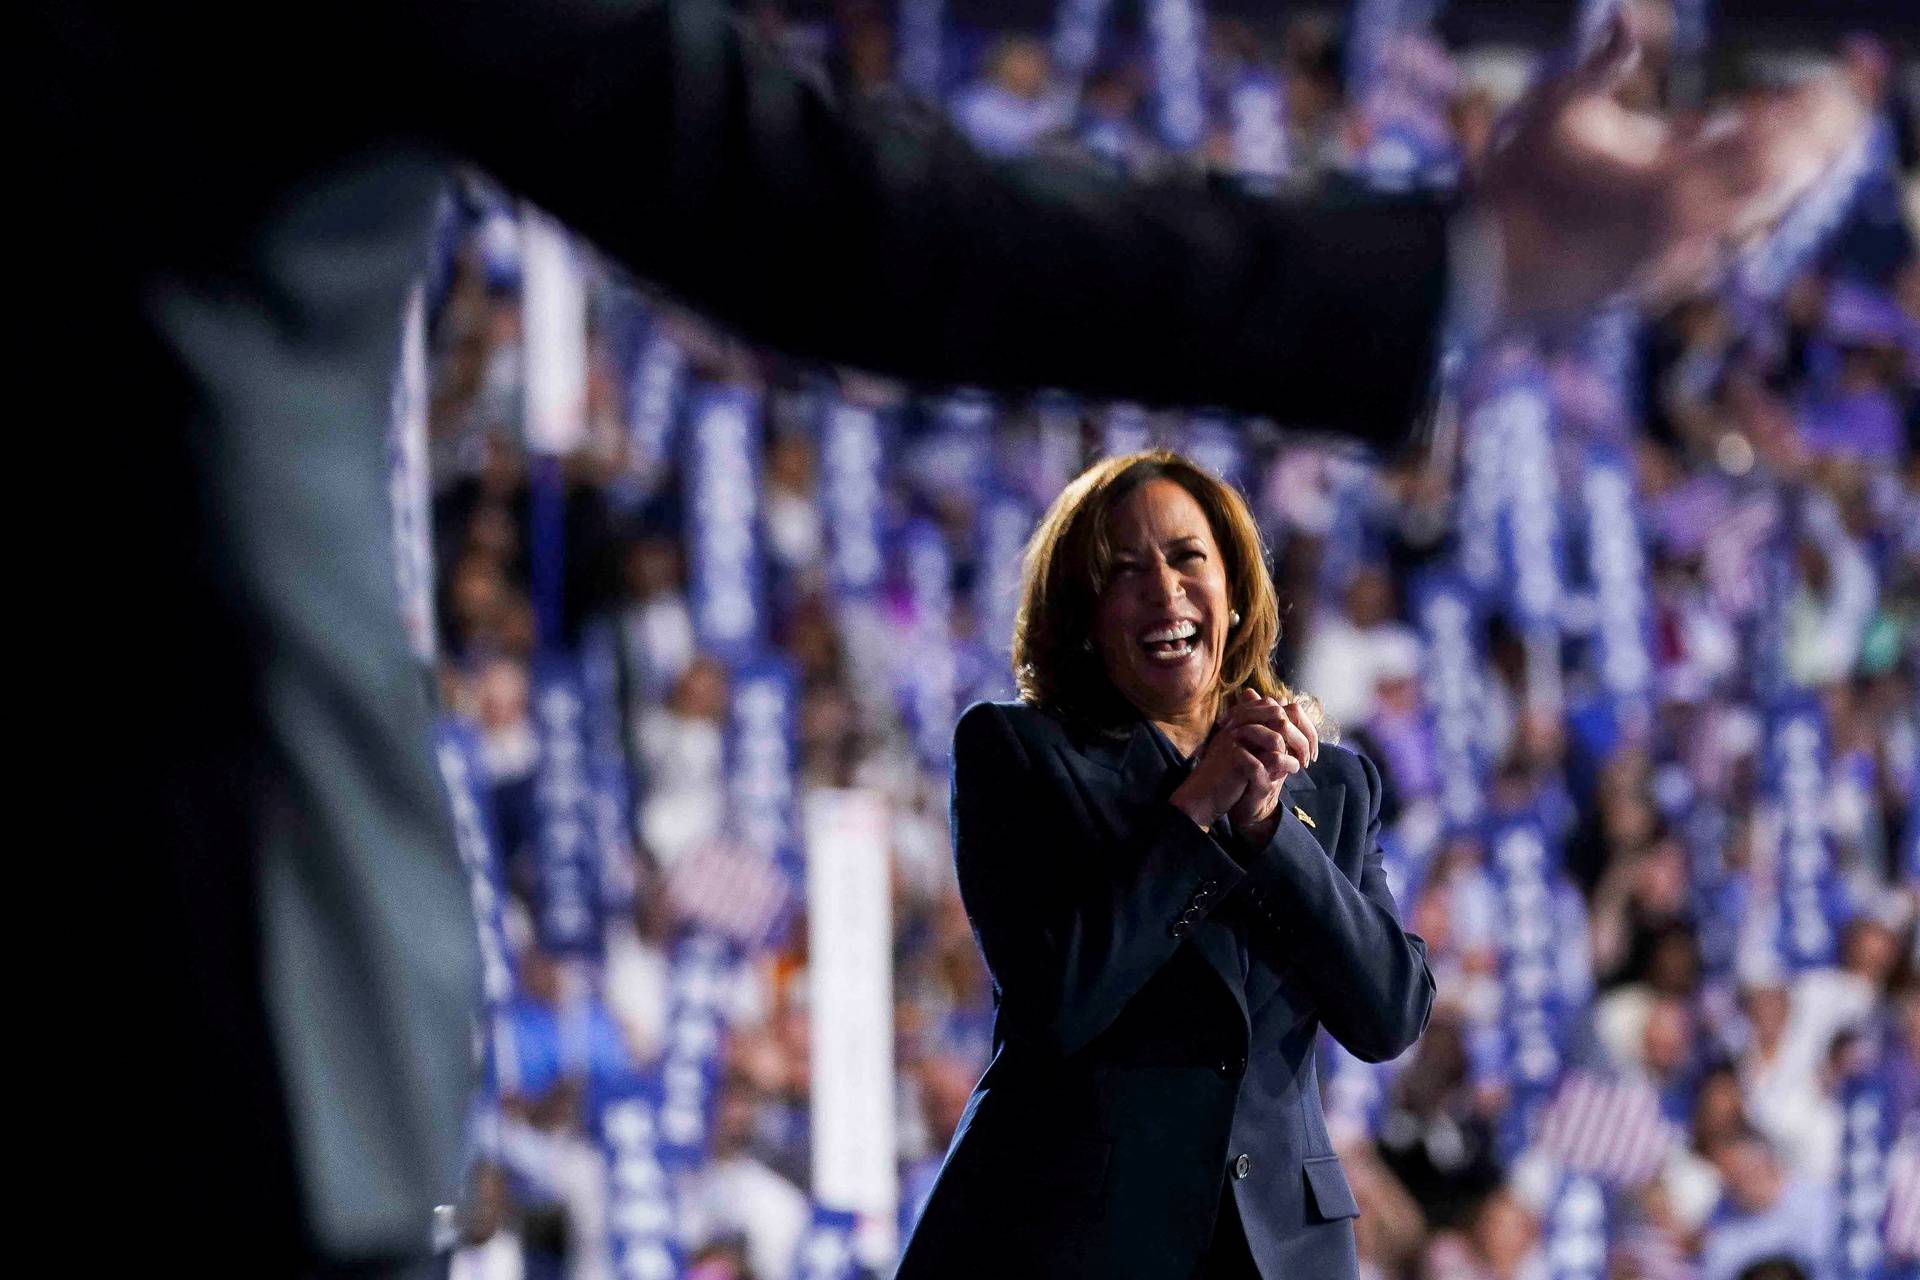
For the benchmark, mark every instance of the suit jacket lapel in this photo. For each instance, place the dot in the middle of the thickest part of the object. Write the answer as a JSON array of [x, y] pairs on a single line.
[[1129, 778], [1324, 808]]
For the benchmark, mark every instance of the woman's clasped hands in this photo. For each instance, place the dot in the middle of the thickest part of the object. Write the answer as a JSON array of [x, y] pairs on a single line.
[[1257, 744]]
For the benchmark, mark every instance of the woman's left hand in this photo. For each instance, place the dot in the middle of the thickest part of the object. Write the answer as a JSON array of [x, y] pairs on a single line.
[[1283, 737]]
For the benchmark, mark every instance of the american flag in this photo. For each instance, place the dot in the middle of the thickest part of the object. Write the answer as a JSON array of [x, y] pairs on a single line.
[[1611, 1129], [730, 890], [1903, 1198]]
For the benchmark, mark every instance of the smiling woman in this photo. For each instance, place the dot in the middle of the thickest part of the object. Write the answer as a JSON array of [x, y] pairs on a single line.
[[1142, 523], [1175, 881]]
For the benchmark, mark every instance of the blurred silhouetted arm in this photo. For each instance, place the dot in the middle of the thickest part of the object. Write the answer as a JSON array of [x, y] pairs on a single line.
[[879, 238]]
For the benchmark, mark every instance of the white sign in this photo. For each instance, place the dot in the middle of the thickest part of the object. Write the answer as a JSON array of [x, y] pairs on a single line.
[[850, 984]]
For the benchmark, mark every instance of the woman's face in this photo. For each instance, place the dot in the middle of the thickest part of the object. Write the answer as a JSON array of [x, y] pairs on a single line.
[[1161, 624]]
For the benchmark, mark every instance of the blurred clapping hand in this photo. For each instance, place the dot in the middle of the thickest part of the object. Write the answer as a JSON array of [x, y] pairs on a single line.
[[1589, 200]]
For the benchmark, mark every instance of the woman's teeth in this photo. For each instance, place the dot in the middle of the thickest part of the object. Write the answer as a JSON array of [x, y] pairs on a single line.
[[1169, 650], [1170, 644]]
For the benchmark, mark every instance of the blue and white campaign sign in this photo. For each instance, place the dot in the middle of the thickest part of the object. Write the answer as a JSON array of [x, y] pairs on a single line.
[[1509, 516], [851, 451], [1449, 619], [1516, 420], [1175, 30], [1524, 873], [929, 683], [723, 522], [642, 1220], [763, 760], [1903, 1198], [1005, 522], [701, 970], [1401, 81], [568, 861], [1807, 892], [654, 399], [1485, 492], [1617, 568], [826, 1250], [599, 666], [1573, 1229], [457, 751], [1868, 1129], [608, 774]]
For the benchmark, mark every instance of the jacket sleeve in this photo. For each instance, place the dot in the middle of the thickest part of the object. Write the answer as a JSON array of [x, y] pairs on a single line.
[[1368, 975], [869, 236], [1070, 934], [876, 237]]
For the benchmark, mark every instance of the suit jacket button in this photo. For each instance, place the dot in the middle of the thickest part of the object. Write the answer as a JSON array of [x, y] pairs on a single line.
[[1243, 1165]]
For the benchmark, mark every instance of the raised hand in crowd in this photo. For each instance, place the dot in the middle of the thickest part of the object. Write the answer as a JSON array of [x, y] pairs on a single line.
[[1582, 199]]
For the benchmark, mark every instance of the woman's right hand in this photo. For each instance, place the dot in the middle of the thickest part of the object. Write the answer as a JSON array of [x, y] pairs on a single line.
[[1234, 759]]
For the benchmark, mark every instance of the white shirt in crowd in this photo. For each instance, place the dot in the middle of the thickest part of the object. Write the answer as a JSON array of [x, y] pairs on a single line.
[[637, 990], [498, 1258], [1344, 662], [1786, 1096], [659, 640], [793, 528], [571, 1170], [684, 760], [1798, 1226], [740, 1195]]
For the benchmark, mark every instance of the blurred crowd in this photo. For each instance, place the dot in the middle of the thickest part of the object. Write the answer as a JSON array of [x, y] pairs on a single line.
[[1774, 450]]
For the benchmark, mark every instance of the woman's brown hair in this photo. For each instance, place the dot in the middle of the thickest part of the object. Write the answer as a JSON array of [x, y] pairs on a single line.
[[1067, 565]]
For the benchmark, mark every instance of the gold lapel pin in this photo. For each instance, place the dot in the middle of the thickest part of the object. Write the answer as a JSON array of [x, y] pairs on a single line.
[[1301, 814]]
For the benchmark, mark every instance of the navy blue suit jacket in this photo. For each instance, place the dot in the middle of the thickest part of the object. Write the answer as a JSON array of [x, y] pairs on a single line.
[[1156, 1003]]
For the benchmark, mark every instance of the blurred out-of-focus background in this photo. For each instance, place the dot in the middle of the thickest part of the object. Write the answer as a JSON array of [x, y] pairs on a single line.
[[1634, 646]]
